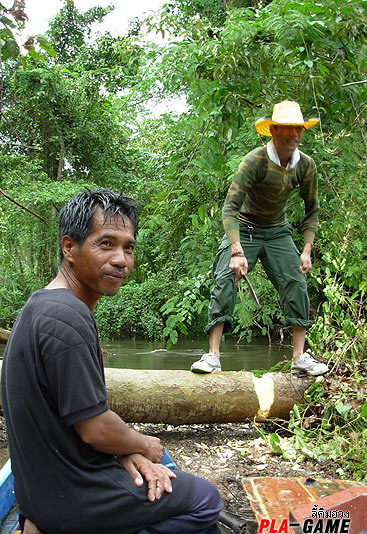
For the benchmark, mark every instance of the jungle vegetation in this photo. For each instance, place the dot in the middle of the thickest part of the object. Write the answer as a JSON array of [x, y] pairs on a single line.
[[79, 108]]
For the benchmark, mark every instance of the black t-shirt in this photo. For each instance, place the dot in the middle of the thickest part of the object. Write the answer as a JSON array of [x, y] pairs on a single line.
[[53, 377]]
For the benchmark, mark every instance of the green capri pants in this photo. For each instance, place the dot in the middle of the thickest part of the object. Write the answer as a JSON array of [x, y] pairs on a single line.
[[281, 261]]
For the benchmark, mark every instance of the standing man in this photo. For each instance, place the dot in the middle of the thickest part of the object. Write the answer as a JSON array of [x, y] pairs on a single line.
[[78, 467], [256, 226]]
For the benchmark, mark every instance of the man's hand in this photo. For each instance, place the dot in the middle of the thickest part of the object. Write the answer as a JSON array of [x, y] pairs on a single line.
[[157, 475], [305, 260], [108, 433], [239, 266], [154, 452]]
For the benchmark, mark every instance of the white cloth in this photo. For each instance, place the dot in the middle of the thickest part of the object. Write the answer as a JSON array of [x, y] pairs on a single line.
[[273, 155]]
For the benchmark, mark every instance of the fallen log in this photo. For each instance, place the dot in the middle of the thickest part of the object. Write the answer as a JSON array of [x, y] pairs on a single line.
[[181, 397], [4, 335]]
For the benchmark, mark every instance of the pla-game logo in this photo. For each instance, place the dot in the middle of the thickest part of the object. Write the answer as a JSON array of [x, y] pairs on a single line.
[[314, 525]]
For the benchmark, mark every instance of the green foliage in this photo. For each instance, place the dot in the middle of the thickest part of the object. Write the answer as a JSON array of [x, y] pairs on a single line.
[[11, 21], [54, 115], [70, 29], [14, 291], [28, 247], [251, 320], [60, 131], [135, 310], [332, 427], [339, 277], [186, 311]]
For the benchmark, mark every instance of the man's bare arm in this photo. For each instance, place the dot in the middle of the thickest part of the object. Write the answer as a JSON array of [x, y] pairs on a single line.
[[108, 433]]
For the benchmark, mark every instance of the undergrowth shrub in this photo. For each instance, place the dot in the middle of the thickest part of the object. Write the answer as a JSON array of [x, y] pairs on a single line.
[[331, 427], [250, 320], [135, 310], [15, 289], [186, 311]]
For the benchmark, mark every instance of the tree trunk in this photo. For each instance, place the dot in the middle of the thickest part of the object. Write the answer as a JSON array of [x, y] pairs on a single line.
[[181, 397], [61, 164], [4, 335]]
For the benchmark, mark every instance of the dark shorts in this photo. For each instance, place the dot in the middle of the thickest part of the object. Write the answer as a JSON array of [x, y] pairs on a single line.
[[190, 511]]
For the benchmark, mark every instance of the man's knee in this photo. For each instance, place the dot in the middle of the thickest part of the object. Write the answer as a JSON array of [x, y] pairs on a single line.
[[206, 497]]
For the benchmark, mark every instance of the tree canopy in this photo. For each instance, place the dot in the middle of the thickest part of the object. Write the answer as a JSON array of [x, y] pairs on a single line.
[[79, 110]]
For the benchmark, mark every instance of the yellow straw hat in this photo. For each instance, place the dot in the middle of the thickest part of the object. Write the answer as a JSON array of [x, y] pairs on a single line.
[[285, 113]]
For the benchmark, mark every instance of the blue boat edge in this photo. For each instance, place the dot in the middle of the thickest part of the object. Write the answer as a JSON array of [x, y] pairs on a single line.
[[7, 497]]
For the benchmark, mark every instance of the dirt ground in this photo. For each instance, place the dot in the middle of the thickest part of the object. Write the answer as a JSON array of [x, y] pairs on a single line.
[[224, 454]]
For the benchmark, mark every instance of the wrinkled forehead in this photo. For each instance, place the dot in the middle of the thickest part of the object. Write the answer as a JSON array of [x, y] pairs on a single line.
[[102, 219]]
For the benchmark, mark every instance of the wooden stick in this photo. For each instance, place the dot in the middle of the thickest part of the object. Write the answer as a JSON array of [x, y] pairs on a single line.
[[353, 83], [23, 207]]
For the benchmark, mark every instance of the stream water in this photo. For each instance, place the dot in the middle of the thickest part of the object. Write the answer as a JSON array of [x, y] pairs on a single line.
[[140, 354]]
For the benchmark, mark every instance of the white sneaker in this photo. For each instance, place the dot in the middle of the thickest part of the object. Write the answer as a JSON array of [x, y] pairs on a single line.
[[308, 364], [207, 364]]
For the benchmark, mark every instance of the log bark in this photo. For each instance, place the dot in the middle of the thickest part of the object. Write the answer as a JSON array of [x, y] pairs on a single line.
[[181, 397], [4, 335]]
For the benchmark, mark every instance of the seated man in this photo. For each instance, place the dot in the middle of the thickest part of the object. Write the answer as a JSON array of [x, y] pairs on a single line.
[[78, 468]]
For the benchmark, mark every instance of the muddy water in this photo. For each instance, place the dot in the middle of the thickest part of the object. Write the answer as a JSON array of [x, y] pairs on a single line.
[[139, 354]]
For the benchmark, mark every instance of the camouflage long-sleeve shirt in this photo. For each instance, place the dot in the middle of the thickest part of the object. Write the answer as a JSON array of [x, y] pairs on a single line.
[[259, 193]]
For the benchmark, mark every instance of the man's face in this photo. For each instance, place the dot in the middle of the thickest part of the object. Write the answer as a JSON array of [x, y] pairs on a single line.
[[104, 261], [286, 138]]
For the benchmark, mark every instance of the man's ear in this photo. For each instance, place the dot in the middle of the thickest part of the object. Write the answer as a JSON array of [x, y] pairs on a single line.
[[68, 248]]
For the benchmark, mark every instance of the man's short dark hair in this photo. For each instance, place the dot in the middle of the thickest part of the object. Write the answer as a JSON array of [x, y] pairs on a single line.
[[76, 217]]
